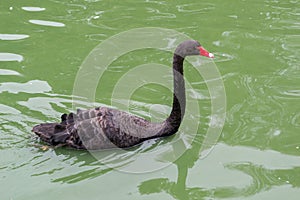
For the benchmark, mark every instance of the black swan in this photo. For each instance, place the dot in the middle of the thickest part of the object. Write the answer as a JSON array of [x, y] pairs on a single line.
[[103, 128]]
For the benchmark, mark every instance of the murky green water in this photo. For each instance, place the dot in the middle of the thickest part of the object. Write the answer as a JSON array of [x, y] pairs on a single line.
[[257, 45]]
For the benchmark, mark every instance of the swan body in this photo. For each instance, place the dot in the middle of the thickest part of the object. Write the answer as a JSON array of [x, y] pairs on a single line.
[[105, 128]]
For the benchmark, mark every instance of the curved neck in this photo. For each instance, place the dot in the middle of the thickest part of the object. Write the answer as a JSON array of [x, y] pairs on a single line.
[[178, 108]]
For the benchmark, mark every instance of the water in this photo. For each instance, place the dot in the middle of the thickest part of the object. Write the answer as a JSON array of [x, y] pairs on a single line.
[[257, 53]]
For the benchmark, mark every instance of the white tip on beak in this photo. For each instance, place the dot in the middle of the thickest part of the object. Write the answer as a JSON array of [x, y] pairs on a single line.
[[211, 55]]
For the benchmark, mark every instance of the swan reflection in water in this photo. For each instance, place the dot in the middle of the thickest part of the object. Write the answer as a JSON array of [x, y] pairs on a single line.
[[261, 178]]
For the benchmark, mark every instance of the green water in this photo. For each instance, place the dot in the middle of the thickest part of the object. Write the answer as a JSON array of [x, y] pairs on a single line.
[[256, 43]]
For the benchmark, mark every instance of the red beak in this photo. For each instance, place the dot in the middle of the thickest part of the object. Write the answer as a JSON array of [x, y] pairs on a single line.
[[203, 52]]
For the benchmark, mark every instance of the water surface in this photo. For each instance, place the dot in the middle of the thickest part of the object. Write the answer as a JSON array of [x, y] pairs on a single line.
[[257, 53]]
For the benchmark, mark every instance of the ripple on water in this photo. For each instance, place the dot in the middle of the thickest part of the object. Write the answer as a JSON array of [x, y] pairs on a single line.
[[295, 120], [190, 8], [47, 23], [222, 57], [13, 125], [291, 43], [95, 22], [156, 2], [8, 110], [9, 72], [11, 57], [33, 9], [159, 15], [13, 36], [293, 93], [240, 170], [96, 37], [258, 108], [33, 86]]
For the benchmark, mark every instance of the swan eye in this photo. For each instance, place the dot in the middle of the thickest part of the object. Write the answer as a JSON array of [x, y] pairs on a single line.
[[191, 50]]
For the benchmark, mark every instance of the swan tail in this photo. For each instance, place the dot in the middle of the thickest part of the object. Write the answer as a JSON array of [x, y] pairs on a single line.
[[54, 133]]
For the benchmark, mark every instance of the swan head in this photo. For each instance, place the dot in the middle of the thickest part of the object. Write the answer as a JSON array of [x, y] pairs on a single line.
[[192, 47]]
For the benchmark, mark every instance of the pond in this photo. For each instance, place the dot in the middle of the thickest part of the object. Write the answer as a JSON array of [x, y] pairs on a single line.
[[240, 135]]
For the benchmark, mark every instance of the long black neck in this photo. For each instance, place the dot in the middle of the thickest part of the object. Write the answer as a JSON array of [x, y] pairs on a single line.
[[178, 108]]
